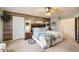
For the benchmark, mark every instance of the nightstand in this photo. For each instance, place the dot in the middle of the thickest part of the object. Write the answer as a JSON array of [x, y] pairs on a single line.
[[28, 35]]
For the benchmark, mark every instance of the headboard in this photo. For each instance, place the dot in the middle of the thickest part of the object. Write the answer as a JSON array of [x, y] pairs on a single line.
[[38, 25]]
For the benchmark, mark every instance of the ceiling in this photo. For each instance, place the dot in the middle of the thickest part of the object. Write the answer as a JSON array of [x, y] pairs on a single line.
[[40, 11]]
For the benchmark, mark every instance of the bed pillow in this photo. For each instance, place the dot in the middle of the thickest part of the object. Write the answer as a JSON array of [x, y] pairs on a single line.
[[36, 31]]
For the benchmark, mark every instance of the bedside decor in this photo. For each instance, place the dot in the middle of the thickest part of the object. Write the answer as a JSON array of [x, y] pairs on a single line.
[[28, 26]]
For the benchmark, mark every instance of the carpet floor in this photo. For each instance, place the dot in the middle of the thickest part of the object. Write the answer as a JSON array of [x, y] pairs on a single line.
[[23, 46]]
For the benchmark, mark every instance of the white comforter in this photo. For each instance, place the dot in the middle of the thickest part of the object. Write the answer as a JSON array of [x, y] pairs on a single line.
[[43, 40]]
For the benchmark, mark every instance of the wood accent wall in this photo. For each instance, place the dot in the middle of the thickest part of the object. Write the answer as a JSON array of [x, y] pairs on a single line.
[[7, 25], [22, 15], [7, 30], [30, 17]]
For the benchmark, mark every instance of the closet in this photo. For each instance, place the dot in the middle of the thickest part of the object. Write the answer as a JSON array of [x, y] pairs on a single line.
[[18, 27]]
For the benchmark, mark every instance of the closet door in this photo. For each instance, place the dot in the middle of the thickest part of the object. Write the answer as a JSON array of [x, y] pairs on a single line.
[[77, 29], [18, 27]]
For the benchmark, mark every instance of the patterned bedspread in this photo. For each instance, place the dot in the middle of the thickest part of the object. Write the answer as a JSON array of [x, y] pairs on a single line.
[[49, 38]]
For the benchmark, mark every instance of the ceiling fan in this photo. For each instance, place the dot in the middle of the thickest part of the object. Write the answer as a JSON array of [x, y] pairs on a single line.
[[51, 11]]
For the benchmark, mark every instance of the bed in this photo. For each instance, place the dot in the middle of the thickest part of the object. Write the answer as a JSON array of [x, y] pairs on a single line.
[[46, 38]]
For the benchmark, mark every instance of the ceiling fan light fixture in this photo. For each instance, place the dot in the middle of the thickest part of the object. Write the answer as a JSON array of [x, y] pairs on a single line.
[[48, 8], [48, 14], [50, 11]]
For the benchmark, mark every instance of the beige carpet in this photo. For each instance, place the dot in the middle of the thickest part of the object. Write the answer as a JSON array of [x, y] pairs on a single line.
[[23, 46]]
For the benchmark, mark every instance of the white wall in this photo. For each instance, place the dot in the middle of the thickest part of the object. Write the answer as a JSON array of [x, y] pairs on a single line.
[[18, 27], [1, 27], [66, 25]]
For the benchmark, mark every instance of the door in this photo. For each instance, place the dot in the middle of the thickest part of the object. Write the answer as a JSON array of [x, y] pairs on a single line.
[[18, 27], [77, 29]]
